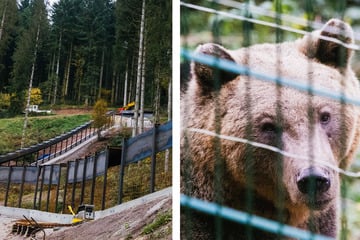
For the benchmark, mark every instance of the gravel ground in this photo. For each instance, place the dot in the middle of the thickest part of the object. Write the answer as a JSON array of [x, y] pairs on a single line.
[[126, 224]]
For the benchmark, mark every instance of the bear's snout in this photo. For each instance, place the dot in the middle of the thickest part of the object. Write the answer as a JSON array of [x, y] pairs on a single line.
[[314, 183], [313, 180]]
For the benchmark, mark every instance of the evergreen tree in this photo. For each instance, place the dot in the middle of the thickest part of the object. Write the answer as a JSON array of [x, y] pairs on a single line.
[[30, 50], [87, 30], [88, 50], [8, 20]]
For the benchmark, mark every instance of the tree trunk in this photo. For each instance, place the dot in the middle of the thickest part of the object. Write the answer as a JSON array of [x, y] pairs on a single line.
[[142, 92], [113, 87], [50, 76], [139, 70], [117, 88], [126, 85], [57, 70], [157, 96], [132, 88], [67, 74], [101, 72], [23, 139], [3, 20]]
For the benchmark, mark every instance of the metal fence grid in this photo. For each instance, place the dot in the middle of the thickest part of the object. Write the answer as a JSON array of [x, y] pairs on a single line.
[[104, 179], [247, 17]]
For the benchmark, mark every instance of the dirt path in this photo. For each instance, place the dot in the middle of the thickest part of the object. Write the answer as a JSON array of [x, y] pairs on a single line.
[[127, 224], [73, 111]]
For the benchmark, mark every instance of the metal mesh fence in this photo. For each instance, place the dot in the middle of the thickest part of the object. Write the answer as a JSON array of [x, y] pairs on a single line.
[[270, 129]]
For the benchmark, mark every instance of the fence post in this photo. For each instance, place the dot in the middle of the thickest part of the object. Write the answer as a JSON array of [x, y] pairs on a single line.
[[61, 147], [58, 189], [8, 186], [71, 143], [93, 180], [42, 158], [22, 186], [122, 169], [74, 183], [36, 185], [83, 180], [153, 159], [41, 185], [49, 186], [105, 180], [66, 185], [55, 150], [36, 158], [50, 148], [81, 134]]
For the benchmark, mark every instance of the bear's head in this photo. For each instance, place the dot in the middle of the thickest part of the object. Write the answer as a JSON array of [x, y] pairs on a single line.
[[315, 132]]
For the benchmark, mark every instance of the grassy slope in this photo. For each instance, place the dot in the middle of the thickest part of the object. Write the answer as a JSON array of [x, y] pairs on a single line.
[[39, 129]]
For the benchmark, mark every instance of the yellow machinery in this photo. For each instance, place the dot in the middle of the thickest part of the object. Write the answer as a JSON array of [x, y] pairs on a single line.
[[30, 227], [85, 212], [128, 106]]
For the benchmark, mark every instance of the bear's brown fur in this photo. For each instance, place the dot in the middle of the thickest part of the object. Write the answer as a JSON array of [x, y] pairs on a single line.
[[315, 127]]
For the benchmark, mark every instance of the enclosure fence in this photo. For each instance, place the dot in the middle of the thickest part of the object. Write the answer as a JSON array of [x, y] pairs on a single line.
[[105, 179], [50, 149], [251, 14]]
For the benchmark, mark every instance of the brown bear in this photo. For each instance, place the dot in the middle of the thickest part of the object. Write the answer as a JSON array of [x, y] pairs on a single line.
[[286, 188]]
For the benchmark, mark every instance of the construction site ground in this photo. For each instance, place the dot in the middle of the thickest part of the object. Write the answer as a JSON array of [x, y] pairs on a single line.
[[126, 224]]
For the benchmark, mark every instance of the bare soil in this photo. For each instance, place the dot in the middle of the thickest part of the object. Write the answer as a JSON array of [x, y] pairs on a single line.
[[127, 224], [73, 111]]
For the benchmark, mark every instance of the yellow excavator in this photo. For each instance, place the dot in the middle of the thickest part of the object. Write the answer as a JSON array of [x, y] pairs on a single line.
[[128, 106]]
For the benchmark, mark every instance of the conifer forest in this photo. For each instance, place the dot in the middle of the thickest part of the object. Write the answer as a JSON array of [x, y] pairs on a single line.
[[75, 52]]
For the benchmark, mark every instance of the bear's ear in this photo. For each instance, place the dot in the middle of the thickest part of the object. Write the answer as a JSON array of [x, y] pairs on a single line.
[[333, 53], [211, 78]]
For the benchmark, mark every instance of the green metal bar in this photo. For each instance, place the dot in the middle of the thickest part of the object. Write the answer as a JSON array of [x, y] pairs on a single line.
[[239, 69], [249, 219]]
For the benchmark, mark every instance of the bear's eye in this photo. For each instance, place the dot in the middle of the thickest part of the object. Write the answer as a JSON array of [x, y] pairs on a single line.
[[325, 118]]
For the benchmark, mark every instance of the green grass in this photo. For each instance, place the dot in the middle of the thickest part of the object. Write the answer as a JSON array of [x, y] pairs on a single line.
[[39, 129], [160, 220]]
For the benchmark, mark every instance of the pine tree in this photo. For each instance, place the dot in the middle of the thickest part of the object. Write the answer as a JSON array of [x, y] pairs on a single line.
[[8, 20], [30, 50]]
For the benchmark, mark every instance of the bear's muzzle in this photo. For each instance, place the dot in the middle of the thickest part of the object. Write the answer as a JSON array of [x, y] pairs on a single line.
[[314, 183]]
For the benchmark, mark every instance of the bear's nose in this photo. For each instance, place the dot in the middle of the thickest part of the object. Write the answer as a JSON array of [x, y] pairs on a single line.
[[313, 180]]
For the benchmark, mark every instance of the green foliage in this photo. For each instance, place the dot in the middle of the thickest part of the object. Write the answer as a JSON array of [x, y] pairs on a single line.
[[99, 113], [8, 11], [85, 48], [16, 104], [34, 17], [161, 220], [4, 100], [117, 140], [39, 130], [35, 97]]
